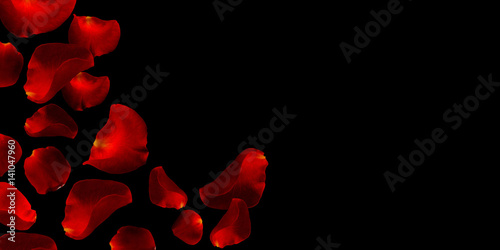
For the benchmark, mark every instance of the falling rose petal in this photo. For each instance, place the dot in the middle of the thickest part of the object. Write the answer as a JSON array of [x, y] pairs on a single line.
[[10, 153], [51, 120], [164, 192], [188, 227], [25, 217], [27, 241], [120, 146], [234, 227], [47, 169], [132, 238], [99, 36], [244, 178], [25, 18], [52, 67], [86, 91], [11, 64], [91, 202]]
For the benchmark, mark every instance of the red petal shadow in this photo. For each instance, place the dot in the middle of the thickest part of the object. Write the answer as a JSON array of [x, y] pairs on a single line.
[[47, 169], [51, 68], [51, 120], [27, 241], [91, 202], [99, 36], [120, 146], [132, 238], [25, 217], [234, 227], [27, 18], [164, 192], [188, 227], [6, 149], [86, 91], [244, 178], [11, 64]]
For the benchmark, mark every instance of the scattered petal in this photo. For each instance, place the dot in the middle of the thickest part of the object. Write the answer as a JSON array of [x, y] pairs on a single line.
[[11, 64], [27, 241], [188, 227], [117, 149], [51, 120], [132, 238], [244, 178], [91, 202], [47, 169], [164, 192], [25, 217], [51, 68], [99, 36], [86, 91], [234, 227], [10, 152]]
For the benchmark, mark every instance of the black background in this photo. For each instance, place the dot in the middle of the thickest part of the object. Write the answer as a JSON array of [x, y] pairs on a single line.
[[325, 175]]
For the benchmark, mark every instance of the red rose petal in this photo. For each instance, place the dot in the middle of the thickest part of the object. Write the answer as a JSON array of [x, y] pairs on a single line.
[[132, 238], [51, 68], [91, 202], [47, 169], [188, 227], [234, 227], [86, 91], [31, 17], [164, 192], [244, 178], [6, 149], [51, 120], [27, 241], [25, 217], [11, 64], [120, 146], [99, 36]]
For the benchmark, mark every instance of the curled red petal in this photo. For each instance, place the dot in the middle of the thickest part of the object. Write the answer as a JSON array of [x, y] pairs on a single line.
[[132, 238], [27, 241], [99, 36], [120, 146], [164, 192], [244, 178], [31, 17], [11, 64], [10, 152], [234, 227], [188, 227], [24, 216], [85, 91], [51, 120], [51, 68], [91, 202], [47, 169]]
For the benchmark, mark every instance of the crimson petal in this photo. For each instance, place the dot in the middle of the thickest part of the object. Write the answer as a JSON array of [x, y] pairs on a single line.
[[25, 217], [85, 91], [244, 178], [11, 64], [51, 120], [234, 227], [6, 149], [120, 146], [91, 202], [132, 238], [164, 192], [188, 227], [51, 68], [27, 241], [99, 36], [47, 169]]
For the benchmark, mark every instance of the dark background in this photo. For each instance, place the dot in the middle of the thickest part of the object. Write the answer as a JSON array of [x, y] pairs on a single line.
[[325, 175]]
